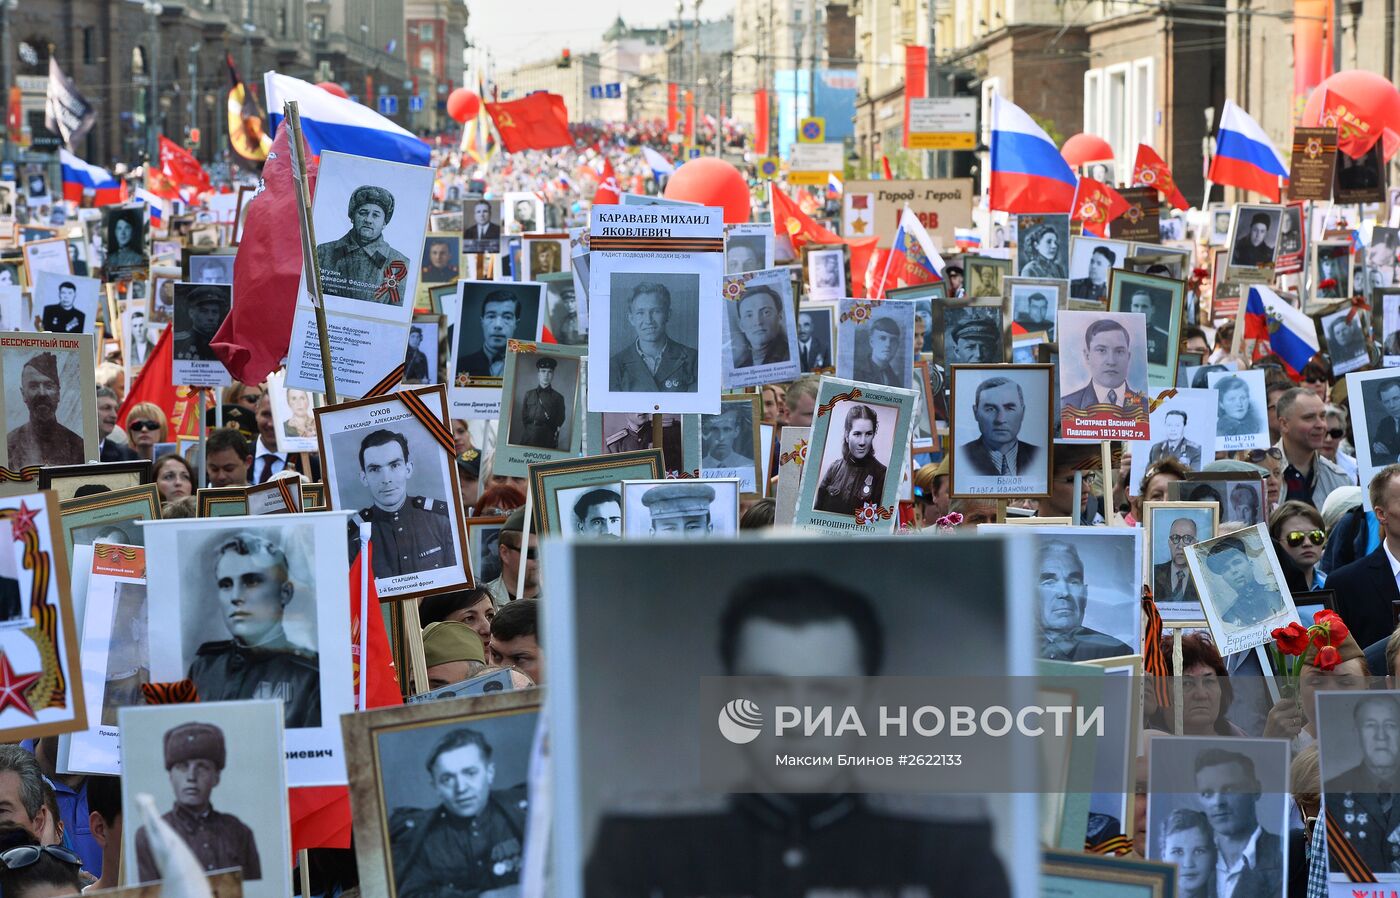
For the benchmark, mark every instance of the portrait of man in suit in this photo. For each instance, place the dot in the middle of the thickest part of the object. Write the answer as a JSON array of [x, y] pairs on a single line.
[[1094, 284], [1171, 580], [1228, 793], [483, 235], [813, 341], [999, 405], [1108, 357], [1061, 602], [1176, 445]]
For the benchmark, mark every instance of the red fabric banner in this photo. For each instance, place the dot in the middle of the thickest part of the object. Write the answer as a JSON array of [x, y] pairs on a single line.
[[673, 110], [760, 122], [915, 80], [536, 122], [1312, 50]]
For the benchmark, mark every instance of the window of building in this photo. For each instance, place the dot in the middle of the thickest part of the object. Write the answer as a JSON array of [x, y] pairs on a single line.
[[1120, 106], [317, 28], [426, 60], [89, 45], [425, 31]]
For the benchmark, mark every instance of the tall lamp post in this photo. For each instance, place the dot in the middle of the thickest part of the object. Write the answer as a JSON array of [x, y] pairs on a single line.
[[153, 9], [6, 6]]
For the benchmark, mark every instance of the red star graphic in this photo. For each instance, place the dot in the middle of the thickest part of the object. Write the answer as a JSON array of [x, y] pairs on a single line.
[[23, 521], [12, 686]]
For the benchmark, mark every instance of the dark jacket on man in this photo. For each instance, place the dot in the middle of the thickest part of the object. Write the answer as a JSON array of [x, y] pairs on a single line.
[[439, 855], [10, 605], [417, 537], [228, 670], [218, 840], [979, 458], [1363, 593], [1354, 800], [678, 371], [542, 413]]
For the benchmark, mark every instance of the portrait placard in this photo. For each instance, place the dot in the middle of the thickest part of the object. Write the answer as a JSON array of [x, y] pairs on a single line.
[[124, 236], [792, 454], [1360, 180], [543, 254], [1035, 302], [524, 213], [202, 266], [66, 303], [540, 418], [442, 262], [860, 437], [1374, 400], [1355, 730], [423, 772], [138, 338], [1042, 246], [381, 461], [483, 230], [200, 627], [1345, 330], [110, 516], [747, 247], [49, 416], [874, 341], [730, 445], [816, 334], [1292, 241], [67, 480], [1002, 430], [560, 489], [828, 271], [200, 309], [1332, 270], [46, 255], [970, 331], [1184, 429], [1103, 376], [567, 318], [371, 215], [760, 329], [683, 509], [1170, 529], [1241, 587], [1240, 420], [221, 501], [982, 276], [1254, 232], [489, 315], [1161, 302], [221, 764], [292, 414], [1090, 261]]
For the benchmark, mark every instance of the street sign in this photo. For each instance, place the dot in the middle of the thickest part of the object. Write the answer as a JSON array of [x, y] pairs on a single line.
[[812, 130], [595, 92], [769, 166], [817, 157], [389, 104], [613, 91], [415, 103], [943, 123]]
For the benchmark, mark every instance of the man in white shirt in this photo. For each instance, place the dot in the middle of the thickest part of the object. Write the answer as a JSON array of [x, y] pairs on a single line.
[[1249, 860], [267, 461]]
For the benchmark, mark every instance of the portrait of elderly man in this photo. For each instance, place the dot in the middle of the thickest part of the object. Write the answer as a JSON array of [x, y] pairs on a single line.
[[1364, 798], [1252, 248], [1108, 357], [764, 332], [875, 364], [652, 362], [1064, 595], [974, 339], [409, 533], [1245, 601], [195, 757], [500, 315], [999, 406], [1171, 580], [857, 477], [42, 440], [598, 512], [473, 841], [253, 586], [1249, 858], [358, 264], [679, 509], [63, 317]]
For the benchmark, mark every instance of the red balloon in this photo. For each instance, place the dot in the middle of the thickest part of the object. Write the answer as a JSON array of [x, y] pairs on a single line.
[[462, 104], [1084, 148], [1368, 96], [334, 89], [712, 182]]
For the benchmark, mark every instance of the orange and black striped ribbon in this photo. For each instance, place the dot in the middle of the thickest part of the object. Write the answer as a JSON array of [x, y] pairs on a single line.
[[1114, 845], [1344, 855], [658, 244], [1154, 660], [436, 426], [1161, 398], [177, 692], [839, 397], [45, 613], [23, 474], [391, 380], [286, 492]]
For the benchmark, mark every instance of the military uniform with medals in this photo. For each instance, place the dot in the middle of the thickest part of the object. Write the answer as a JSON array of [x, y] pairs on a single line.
[[1253, 605], [1368, 811], [437, 854], [229, 670], [542, 412], [849, 484], [417, 537], [677, 370], [58, 320], [358, 270]]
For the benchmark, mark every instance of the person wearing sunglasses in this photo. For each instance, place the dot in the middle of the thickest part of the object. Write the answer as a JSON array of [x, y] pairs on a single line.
[[31, 870], [513, 553], [145, 426], [1298, 528], [1308, 476]]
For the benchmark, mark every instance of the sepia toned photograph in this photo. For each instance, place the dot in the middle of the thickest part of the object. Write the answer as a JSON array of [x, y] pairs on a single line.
[[760, 329], [543, 254], [1241, 587], [982, 276], [1002, 430], [828, 272], [685, 509]]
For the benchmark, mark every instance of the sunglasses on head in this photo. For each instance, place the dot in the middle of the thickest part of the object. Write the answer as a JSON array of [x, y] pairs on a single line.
[[25, 855], [1316, 537], [143, 425], [1336, 433]]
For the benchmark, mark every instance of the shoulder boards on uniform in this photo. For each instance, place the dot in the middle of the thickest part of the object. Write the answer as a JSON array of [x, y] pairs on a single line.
[[214, 648]]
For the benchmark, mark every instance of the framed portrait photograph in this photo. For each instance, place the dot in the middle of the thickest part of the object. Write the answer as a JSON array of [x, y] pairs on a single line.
[[1374, 400], [138, 338], [679, 438], [860, 440], [422, 361], [566, 319], [48, 412], [730, 445], [46, 255], [160, 301], [380, 460], [483, 539], [816, 335], [204, 266], [1292, 240], [1241, 587], [972, 331], [231, 583], [926, 436], [760, 329], [1382, 261], [1332, 270], [540, 417], [982, 276], [556, 487], [1170, 529], [1254, 232], [1183, 429], [442, 253], [608, 433], [279, 495], [482, 234], [1090, 261], [66, 303], [1241, 498], [1160, 300], [1345, 331], [221, 501], [1002, 430], [1101, 876], [1355, 732], [544, 254], [1159, 261], [213, 767], [1360, 180], [109, 517], [828, 271], [1103, 376], [491, 314], [124, 240], [1034, 305], [293, 414], [1204, 791], [1088, 599], [200, 310], [524, 213], [426, 774], [68, 481], [686, 509], [875, 342], [747, 247], [1042, 246], [1241, 419]]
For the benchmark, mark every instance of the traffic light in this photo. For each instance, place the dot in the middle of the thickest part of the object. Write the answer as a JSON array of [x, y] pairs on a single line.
[[565, 60]]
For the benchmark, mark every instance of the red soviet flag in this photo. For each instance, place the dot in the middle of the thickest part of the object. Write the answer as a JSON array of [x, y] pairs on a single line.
[[801, 229], [180, 174], [254, 337], [536, 122], [1096, 204], [155, 385], [1151, 171], [607, 193]]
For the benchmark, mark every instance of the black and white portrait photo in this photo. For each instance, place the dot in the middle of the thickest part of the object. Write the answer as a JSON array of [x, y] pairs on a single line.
[[1254, 238], [292, 415], [1241, 499], [483, 228], [745, 252], [1042, 246], [49, 417], [654, 325], [1091, 259], [1219, 810], [1332, 267], [875, 341], [592, 511], [1241, 421], [729, 443], [689, 509], [1172, 529], [1359, 754], [492, 313], [1033, 307], [1382, 261], [544, 254], [856, 458], [362, 263], [444, 788], [1103, 375], [1002, 430], [1375, 419], [567, 321], [420, 360], [524, 213], [441, 259], [208, 268], [217, 774], [124, 228], [139, 337], [760, 329], [972, 335], [1138, 294], [200, 310], [1183, 429], [1241, 587], [66, 303], [814, 332], [826, 273], [982, 276], [1385, 307], [1346, 335], [543, 401]]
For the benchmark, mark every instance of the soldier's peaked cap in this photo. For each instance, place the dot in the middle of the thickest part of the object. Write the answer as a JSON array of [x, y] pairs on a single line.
[[547, 362], [371, 194], [208, 293], [679, 500], [195, 741], [976, 329]]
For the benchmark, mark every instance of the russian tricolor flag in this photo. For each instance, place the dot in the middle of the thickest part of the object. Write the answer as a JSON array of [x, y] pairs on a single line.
[[1244, 155], [329, 122], [79, 176], [913, 257], [1289, 332], [142, 195], [1028, 172]]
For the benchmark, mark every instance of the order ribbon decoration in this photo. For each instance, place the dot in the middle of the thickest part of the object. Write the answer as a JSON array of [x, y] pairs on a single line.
[[27, 473], [826, 407], [435, 425], [394, 274]]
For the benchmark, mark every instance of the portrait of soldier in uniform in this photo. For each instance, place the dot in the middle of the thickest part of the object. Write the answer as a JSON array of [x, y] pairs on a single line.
[[679, 509], [762, 327], [42, 439], [1061, 603], [1176, 445], [875, 365], [543, 411], [125, 240], [1365, 799], [1243, 601], [440, 265], [195, 756], [726, 444], [545, 257], [598, 512], [652, 361], [63, 317], [1093, 285], [471, 843], [415, 361], [625, 432], [523, 216], [409, 533], [562, 300], [253, 588], [206, 306], [358, 264], [857, 477], [973, 337]]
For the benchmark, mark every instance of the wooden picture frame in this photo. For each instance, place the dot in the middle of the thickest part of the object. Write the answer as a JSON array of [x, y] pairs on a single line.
[[112, 475]]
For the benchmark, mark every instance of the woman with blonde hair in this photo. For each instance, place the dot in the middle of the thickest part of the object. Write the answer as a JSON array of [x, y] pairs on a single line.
[[145, 425]]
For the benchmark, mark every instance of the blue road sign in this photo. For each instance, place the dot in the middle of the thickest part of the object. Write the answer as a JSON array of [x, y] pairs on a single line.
[[415, 103], [613, 91], [389, 105]]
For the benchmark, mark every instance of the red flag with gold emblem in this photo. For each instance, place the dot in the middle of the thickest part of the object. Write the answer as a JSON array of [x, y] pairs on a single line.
[[1150, 171], [801, 229], [537, 122], [1096, 204]]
